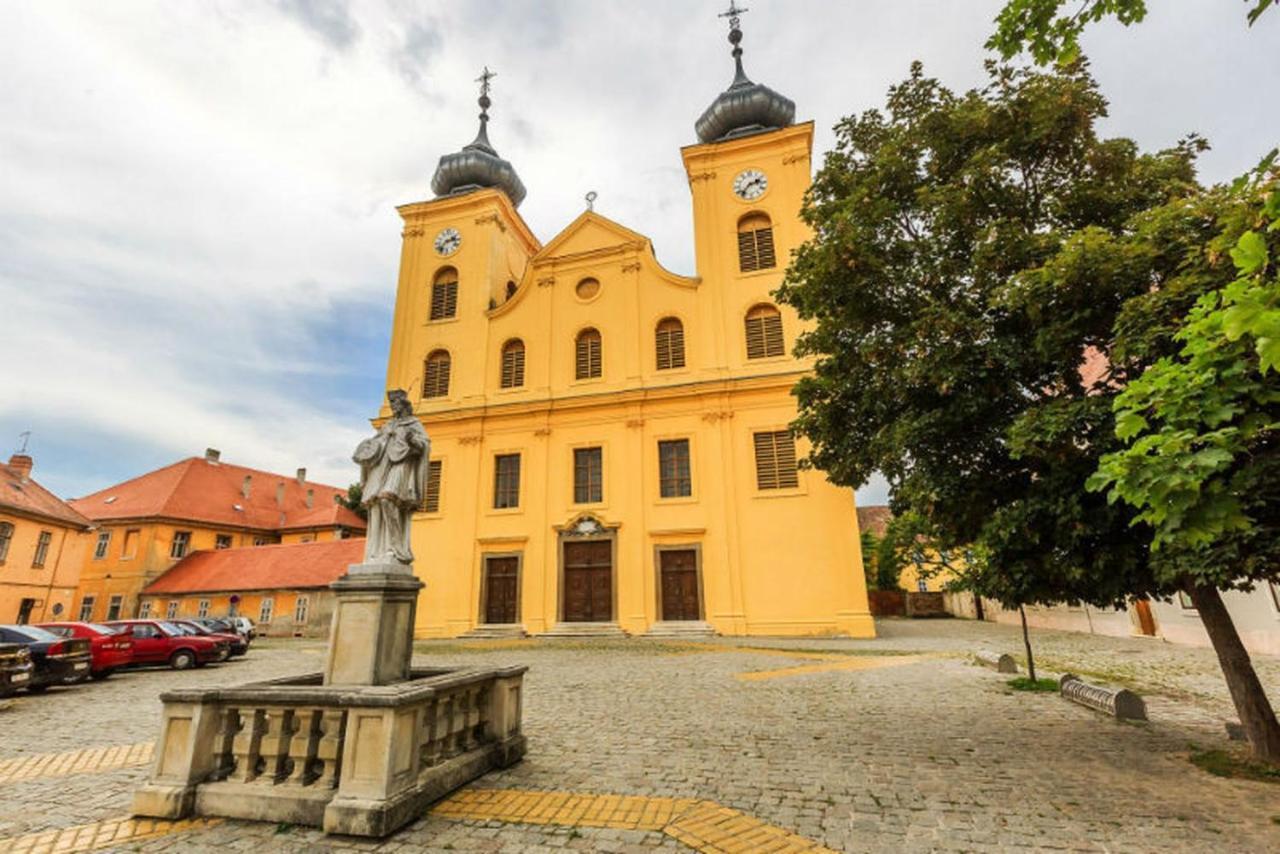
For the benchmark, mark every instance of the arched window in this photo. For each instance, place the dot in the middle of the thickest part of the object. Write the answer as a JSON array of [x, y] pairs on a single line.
[[513, 363], [670, 344], [764, 332], [755, 243], [435, 380], [444, 294], [587, 355]]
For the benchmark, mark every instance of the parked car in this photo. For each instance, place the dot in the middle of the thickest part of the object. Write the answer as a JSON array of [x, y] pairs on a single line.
[[243, 626], [109, 649], [239, 644], [57, 660], [15, 668], [159, 642]]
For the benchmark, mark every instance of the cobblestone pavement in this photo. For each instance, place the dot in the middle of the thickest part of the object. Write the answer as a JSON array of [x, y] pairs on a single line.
[[927, 753]]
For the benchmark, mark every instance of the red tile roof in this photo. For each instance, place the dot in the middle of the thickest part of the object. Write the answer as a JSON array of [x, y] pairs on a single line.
[[199, 490], [298, 565], [21, 494], [874, 518]]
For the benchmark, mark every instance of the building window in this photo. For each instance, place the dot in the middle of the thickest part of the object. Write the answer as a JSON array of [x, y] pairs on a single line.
[[261, 541], [1184, 599], [444, 294], [776, 460], [181, 542], [42, 549], [171, 610], [308, 538], [300, 610], [113, 607], [86, 609], [104, 541], [513, 363], [264, 612], [222, 541], [431, 501], [506, 481], [670, 344], [144, 610], [587, 288], [755, 243], [674, 478], [202, 610], [588, 475], [435, 375], [130, 549], [6, 536], [764, 332], [586, 363]]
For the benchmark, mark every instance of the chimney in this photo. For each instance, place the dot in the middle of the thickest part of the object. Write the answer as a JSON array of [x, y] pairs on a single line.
[[280, 494], [212, 455], [311, 498], [21, 463], [302, 476], [247, 486]]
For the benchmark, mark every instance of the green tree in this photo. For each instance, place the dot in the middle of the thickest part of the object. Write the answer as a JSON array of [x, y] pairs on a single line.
[[1202, 464], [353, 501], [1050, 34]]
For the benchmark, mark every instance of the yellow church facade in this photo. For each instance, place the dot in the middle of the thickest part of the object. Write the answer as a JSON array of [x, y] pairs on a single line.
[[610, 447]]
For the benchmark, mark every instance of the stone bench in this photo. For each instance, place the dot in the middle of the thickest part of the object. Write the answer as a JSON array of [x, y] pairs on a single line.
[[1122, 704], [1000, 662]]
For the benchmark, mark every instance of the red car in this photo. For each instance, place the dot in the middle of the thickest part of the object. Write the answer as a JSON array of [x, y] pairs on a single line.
[[109, 650], [157, 642]]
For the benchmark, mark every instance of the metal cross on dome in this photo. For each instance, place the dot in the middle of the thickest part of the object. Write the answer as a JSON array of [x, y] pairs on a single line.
[[732, 14], [484, 79]]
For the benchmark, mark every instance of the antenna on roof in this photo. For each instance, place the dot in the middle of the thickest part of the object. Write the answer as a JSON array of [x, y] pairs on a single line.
[[25, 436]]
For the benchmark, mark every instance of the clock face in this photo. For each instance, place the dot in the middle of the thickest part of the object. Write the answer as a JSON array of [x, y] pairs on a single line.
[[750, 184], [448, 241]]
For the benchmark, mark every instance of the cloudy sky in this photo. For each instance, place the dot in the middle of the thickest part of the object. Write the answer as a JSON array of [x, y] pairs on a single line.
[[198, 240]]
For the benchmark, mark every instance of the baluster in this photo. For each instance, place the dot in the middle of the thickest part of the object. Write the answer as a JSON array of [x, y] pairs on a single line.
[[468, 734], [302, 746], [425, 734], [329, 747], [274, 744], [481, 729], [458, 726], [224, 760], [247, 744]]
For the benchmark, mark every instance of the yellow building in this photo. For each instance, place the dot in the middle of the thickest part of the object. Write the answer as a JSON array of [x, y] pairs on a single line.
[[610, 446], [42, 545], [143, 526]]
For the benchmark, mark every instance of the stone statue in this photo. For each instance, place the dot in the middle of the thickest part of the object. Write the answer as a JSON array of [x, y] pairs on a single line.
[[393, 479]]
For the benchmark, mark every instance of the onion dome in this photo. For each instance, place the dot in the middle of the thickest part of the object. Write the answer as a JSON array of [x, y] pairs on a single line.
[[478, 165], [745, 107]]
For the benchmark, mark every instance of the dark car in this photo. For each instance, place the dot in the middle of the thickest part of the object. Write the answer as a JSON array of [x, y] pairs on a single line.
[[109, 649], [57, 660], [159, 642], [15, 668], [236, 645]]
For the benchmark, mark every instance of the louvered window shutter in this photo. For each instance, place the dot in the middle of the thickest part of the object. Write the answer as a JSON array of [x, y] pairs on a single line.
[[670, 344], [755, 244], [764, 333], [431, 501], [436, 381], [587, 362], [776, 461], [444, 300], [513, 365]]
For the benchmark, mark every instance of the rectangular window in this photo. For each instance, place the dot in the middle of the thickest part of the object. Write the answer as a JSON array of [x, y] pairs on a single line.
[[506, 481], [588, 475], [431, 501], [144, 610], [181, 542], [6, 535], [674, 478], [1184, 599], [86, 609], [264, 613], [222, 541], [444, 300], [300, 610], [202, 610], [42, 549], [130, 549], [260, 541], [776, 460], [171, 610], [104, 541], [113, 607]]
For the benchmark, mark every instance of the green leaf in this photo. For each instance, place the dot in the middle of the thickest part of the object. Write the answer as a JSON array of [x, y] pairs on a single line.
[[1268, 354], [1130, 424], [1250, 253]]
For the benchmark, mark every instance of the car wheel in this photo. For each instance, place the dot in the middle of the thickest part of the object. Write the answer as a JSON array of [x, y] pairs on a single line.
[[224, 655], [99, 675], [181, 660]]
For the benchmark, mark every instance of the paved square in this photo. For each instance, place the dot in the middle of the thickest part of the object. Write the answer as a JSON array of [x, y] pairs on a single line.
[[736, 745]]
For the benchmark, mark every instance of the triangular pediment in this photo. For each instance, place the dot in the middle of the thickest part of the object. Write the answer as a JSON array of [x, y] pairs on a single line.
[[589, 233]]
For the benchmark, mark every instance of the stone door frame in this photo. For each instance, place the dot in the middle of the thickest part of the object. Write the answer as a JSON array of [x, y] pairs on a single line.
[[484, 586], [587, 529], [696, 548]]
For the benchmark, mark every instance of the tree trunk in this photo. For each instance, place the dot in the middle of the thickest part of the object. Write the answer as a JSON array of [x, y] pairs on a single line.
[[1252, 705], [1026, 641]]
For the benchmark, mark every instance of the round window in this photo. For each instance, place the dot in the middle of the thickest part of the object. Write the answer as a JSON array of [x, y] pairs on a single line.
[[57, 608], [588, 288]]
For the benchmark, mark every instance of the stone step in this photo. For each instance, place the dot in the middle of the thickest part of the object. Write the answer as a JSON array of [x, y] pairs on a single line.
[[497, 631], [584, 630], [680, 629]]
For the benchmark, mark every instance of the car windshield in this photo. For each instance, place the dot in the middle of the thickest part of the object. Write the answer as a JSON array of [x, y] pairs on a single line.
[[34, 633], [172, 629], [105, 630], [195, 627]]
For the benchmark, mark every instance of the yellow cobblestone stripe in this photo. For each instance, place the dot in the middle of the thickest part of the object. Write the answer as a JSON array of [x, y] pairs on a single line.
[[865, 663], [701, 825], [87, 760], [99, 835]]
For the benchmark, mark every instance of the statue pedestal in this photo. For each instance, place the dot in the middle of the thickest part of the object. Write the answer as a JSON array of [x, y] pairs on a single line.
[[371, 641]]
